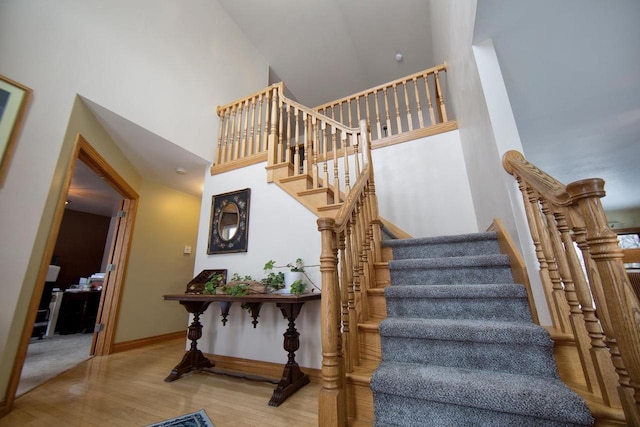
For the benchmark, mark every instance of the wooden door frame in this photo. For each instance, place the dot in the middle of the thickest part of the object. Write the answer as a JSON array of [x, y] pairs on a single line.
[[110, 300]]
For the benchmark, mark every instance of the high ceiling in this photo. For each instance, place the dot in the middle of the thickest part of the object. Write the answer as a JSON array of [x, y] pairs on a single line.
[[570, 68]]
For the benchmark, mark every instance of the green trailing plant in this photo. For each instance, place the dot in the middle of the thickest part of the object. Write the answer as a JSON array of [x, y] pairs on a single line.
[[211, 285], [237, 278], [296, 266], [298, 287], [238, 289], [273, 280]]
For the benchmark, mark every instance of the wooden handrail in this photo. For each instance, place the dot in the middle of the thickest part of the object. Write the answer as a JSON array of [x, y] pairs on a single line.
[[561, 218]]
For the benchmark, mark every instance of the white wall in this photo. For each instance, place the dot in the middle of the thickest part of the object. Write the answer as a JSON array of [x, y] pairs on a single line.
[[486, 125], [160, 64], [281, 229], [423, 187]]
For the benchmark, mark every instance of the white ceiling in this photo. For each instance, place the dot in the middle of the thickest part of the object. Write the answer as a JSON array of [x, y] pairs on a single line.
[[570, 68]]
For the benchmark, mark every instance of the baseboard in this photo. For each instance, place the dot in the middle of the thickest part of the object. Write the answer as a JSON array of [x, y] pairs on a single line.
[[143, 342], [259, 367]]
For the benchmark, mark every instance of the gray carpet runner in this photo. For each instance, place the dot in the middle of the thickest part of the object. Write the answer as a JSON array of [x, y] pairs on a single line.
[[459, 347]]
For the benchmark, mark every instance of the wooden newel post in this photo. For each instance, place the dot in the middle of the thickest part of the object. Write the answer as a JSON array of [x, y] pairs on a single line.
[[621, 301], [332, 409]]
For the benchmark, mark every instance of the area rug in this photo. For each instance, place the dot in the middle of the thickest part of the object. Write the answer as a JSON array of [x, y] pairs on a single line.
[[195, 419]]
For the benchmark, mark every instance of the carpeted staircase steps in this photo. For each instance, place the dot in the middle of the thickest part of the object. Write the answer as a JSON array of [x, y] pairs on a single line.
[[459, 347]]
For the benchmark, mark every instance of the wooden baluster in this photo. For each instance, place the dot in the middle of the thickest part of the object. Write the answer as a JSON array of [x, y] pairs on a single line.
[[332, 405], [576, 318], [259, 132], [354, 348], [395, 100], [547, 287], [289, 140], [315, 146], [232, 133], [418, 106], [349, 112], [237, 133], [357, 271], [308, 151], [378, 126], [432, 115], [440, 99], [344, 304], [362, 264], [559, 300], [366, 105], [388, 131], [336, 172], [281, 119], [245, 112], [579, 234], [623, 304], [252, 141], [347, 178], [602, 360], [296, 141], [325, 158], [341, 112], [406, 100]]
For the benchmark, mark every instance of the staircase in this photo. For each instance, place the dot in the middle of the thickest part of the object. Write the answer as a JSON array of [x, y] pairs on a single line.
[[458, 345]]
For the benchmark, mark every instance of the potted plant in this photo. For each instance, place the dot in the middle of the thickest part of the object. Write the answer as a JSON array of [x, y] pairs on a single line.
[[273, 281], [294, 281]]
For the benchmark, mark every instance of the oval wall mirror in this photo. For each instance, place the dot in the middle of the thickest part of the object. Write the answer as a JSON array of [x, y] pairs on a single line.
[[228, 222]]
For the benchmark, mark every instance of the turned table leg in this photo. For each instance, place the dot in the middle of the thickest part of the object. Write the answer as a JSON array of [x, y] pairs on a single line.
[[193, 359], [292, 377]]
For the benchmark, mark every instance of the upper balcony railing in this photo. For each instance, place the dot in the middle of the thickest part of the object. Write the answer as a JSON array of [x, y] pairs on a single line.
[[401, 110], [396, 108]]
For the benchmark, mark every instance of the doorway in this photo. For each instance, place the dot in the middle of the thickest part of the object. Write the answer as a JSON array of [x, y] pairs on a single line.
[[116, 256]]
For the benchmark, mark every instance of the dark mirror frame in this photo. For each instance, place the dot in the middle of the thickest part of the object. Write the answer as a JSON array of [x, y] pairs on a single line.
[[238, 243]]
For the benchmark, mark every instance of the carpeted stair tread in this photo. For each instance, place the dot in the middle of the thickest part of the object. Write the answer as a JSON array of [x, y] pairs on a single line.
[[466, 330], [459, 347], [492, 260], [454, 238], [516, 347], [523, 395], [468, 270], [497, 302], [504, 290], [444, 246]]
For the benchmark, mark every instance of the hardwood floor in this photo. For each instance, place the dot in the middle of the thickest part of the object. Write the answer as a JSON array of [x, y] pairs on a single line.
[[127, 389]]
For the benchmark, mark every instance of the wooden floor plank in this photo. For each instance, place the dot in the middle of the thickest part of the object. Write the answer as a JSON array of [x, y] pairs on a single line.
[[128, 389]]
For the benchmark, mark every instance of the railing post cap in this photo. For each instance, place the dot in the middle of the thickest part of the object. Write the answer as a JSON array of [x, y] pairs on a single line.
[[508, 157], [584, 188], [326, 223]]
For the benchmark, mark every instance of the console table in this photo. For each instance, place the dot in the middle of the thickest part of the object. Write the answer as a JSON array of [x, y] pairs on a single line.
[[290, 305]]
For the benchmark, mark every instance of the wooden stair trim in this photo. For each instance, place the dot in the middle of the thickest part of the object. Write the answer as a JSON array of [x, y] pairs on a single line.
[[518, 266], [394, 229], [330, 207]]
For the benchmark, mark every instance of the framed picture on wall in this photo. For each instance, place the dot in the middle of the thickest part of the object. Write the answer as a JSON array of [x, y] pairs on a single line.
[[229, 230], [13, 104]]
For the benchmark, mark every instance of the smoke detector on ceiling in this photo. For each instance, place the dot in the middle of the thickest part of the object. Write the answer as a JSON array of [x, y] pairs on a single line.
[[399, 57], [181, 171]]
